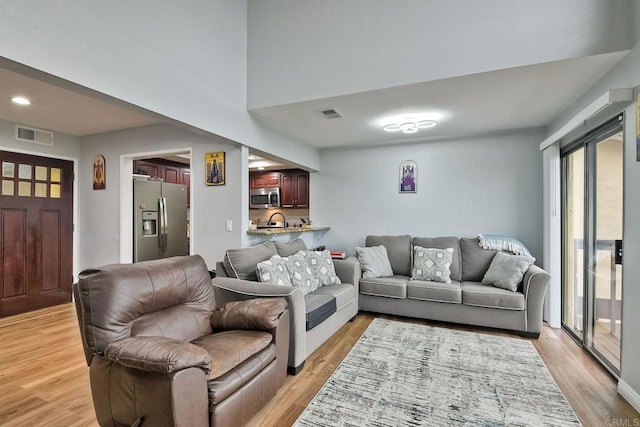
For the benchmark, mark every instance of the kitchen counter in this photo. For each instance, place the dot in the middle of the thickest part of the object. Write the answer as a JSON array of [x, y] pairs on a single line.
[[286, 230]]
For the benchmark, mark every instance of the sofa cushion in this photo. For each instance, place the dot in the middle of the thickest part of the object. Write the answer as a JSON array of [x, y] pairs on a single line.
[[474, 293], [241, 263], [374, 261], [435, 291], [432, 264], [506, 271], [321, 265], [318, 307], [398, 249], [274, 270], [392, 287], [290, 248], [475, 260], [343, 293], [444, 243]]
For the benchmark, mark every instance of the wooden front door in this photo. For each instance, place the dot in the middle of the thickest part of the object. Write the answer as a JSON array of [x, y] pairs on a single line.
[[36, 229]]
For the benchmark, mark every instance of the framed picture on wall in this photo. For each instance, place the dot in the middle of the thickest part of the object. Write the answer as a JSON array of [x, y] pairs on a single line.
[[408, 177], [99, 172], [214, 168]]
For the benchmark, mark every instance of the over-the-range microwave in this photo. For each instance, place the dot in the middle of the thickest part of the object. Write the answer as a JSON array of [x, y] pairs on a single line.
[[264, 198]]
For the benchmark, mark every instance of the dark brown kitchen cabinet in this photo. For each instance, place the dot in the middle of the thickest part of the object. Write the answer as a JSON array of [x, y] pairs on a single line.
[[264, 179], [295, 189], [168, 171]]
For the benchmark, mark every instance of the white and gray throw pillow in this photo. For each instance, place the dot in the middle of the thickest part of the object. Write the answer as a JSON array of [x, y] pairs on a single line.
[[506, 271], [374, 261], [432, 264], [274, 271], [301, 275], [321, 265]]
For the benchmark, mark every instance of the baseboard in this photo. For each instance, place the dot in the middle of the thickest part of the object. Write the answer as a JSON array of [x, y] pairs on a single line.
[[629, 394]]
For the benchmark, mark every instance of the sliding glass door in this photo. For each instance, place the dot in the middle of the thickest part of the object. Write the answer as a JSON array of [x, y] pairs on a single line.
[[592, 241]]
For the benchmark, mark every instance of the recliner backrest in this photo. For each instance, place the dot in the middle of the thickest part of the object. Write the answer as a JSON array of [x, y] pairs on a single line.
[[171, 297]]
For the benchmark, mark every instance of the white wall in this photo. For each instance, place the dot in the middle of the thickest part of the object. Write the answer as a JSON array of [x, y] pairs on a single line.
[[210, 207], [465, 187], [301, 50], [186, 61]]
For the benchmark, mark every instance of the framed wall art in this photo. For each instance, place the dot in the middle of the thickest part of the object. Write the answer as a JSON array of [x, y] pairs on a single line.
[[214, 168], [99, 172], [408, 177]]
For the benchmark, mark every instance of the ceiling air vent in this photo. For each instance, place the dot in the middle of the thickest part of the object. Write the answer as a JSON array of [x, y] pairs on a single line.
[[332, 114], [38, 136]]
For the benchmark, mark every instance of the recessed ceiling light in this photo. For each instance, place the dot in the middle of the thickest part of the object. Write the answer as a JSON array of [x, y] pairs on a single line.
[[20, 100], [261, 168]]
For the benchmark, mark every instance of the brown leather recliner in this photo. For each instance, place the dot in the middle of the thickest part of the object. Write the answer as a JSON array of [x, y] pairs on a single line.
[[161, 354]]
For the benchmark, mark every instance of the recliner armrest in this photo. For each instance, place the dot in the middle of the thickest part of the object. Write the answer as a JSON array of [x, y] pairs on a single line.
[[254, 314], [158, 354]]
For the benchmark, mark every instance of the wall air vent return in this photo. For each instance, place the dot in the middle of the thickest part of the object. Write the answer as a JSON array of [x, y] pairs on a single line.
[[332, 113], [38, 136]]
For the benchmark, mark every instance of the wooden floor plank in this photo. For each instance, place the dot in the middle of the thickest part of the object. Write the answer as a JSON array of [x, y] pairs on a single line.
[[44, 380]]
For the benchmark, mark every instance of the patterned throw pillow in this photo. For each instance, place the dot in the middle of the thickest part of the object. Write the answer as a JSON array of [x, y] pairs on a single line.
[[274, 271], [301, 275], [321, 265], [432, 264]]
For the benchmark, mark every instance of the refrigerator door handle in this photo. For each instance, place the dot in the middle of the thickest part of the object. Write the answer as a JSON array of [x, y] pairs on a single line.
[[165, 236]]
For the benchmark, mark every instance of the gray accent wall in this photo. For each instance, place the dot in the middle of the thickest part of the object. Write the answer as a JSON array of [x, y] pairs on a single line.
[[466, 186]]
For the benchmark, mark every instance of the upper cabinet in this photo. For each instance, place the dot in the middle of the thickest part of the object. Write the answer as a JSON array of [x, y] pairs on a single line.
[[293, 184], [295, 189], [265, 179], [168, 171]]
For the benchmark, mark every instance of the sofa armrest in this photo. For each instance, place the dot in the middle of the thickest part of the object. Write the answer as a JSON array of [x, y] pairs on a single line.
[[255, 314], [534, 287], [229, 289], [158, 354], [348, 270]]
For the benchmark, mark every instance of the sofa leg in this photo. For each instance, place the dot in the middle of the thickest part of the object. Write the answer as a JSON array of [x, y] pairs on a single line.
[[534, 335], [353, 318], [295, 370]]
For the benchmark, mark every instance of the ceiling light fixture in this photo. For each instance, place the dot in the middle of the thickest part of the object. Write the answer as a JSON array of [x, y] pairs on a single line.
[[20, 100], [409, 125]]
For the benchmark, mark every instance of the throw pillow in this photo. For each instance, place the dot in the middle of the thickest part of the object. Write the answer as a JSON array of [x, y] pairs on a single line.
[[506, 271], [274, 271], [321, 265], [374, 261], [432, 264], [300, 274]]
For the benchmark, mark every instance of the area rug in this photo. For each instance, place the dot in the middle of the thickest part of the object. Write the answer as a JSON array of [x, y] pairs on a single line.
[[402, 374]]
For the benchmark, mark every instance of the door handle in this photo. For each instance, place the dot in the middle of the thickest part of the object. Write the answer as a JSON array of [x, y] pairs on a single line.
[[164, 225]]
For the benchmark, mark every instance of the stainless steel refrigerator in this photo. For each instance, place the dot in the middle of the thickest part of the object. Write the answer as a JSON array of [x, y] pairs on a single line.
[[160, 220]]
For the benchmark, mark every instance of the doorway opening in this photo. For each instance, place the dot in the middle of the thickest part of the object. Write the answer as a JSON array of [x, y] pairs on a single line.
[[172, 166]]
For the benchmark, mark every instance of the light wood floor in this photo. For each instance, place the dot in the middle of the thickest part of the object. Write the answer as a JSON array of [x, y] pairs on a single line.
[[44, 380]]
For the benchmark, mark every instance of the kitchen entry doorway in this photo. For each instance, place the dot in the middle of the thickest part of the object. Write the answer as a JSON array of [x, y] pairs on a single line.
[[592, 223], [36, 232]]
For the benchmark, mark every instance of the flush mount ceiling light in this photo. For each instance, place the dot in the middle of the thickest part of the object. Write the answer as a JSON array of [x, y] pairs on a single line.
[[409, 126], [20, 100], [409, 123]]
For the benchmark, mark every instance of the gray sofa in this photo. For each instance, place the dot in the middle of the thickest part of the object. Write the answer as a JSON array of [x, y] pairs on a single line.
[[466, 300], [314, 317]]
